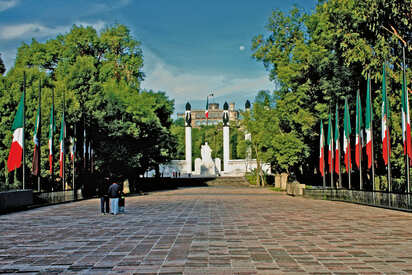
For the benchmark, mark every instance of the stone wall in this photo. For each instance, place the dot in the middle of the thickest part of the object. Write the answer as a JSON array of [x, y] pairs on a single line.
[[15, 199], [58, 197]]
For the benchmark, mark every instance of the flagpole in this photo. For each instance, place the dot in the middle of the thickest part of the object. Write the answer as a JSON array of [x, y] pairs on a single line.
[[360, 143], [338, 156], [84, 144], [322, 145], [74, 156], [64, 133], [39, 159], [371, 125], [51, 149], [407, 110], [349, 158], [24, 127], [331, 148], [387, 140]]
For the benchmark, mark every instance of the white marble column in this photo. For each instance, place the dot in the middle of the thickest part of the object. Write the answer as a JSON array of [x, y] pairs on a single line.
[[248, 137], [225, 147], [188, 143]]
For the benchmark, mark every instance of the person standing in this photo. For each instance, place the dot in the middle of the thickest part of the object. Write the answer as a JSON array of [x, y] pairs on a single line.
[[114, 194], [104, 197]]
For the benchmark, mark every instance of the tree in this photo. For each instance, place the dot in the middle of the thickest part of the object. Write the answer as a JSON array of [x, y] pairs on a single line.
[[99, 75], [317, 59]]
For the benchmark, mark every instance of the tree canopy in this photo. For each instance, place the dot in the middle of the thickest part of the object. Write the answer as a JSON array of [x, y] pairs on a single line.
[[100, 76], [318, 59]]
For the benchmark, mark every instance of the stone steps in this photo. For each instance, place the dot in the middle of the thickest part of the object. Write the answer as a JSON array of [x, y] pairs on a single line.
[[229, 181]]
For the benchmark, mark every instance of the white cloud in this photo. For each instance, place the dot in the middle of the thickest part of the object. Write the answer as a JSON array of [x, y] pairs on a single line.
[[8, 57], [7, 4], [98, 26], [38, 31], [23, 31], [186, 86], [242, 48], [35, 30]]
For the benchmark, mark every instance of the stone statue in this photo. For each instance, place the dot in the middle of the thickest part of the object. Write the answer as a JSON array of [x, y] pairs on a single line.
[[188, 119], [188, 115], [206, 164], [225, 114], [206, 154]]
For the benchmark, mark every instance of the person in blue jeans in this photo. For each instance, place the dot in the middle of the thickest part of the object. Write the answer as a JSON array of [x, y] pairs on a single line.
[[114, 194]]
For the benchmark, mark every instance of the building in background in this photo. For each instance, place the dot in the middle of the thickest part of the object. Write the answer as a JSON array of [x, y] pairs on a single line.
[[215, 115]]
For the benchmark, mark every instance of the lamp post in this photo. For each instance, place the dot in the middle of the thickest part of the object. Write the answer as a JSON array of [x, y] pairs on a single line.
[[207, 108]]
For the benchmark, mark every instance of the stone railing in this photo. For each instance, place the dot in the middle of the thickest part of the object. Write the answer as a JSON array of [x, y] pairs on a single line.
[[374, 198]]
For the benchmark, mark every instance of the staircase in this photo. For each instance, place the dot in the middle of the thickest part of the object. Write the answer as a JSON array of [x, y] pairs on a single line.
[[229, 182]]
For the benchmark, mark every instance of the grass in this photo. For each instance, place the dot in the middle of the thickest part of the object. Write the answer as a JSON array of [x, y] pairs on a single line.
[[276, 189]]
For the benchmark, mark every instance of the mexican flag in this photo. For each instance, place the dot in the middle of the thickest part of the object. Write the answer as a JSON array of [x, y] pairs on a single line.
[[368, 124], [337, 149], [36, 140], [386, 151], [346, 137], [207, 108], [51, 130], [62, 133], [406, 124], [16, 149], [330, 144], [72, 148], [358, 145], [321, 151]]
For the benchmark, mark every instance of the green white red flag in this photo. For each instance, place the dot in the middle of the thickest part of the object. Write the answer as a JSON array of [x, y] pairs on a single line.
[[358, 144], [62, 133], [51, 130], [72, 148], [16, 149], [368, 124], [321, 150], [207, 108], [406, 124], [36, 140], [330, 144], [386, 142], [346, 137], [337, 149]]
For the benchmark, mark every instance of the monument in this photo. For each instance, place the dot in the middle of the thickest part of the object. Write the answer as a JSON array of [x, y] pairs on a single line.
[[205, 166]]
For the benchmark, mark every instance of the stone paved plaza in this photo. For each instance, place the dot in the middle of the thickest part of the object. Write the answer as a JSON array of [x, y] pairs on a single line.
[[208, 230]]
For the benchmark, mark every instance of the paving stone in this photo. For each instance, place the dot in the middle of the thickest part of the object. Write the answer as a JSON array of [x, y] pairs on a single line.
[[213, 230]]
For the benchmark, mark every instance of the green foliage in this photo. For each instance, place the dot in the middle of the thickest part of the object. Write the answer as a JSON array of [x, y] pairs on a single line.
[[99, 75], [317, 59], [276, 189]]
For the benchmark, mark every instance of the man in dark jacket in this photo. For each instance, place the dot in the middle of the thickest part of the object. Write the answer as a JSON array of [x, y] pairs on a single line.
[[104, 197], [114, 194]]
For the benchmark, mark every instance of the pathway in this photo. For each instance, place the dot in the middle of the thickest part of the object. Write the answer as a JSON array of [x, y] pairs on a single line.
[[208, 230]]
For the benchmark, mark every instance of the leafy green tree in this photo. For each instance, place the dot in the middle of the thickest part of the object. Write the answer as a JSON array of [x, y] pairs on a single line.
[[99, 75], [317, 59]]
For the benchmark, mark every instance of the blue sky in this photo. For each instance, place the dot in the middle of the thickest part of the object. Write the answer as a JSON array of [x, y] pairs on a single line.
[[190, 47]]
